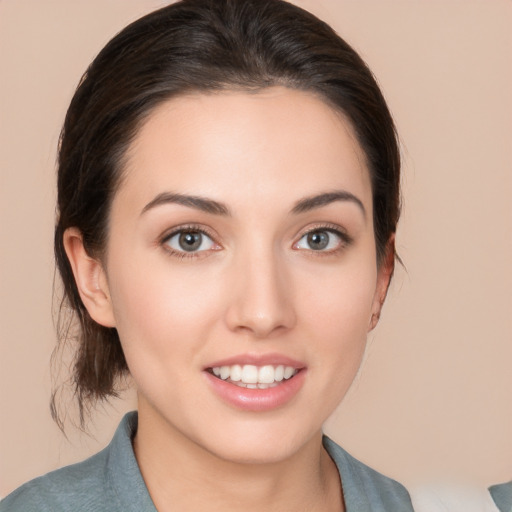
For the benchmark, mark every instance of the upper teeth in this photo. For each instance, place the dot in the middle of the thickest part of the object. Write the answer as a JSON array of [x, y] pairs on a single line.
[[251, 374]]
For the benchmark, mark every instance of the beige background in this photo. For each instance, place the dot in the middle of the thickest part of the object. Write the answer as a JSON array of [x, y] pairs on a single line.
[[433, 400]]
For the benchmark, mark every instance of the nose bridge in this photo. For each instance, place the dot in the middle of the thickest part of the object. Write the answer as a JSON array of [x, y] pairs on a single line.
[[262, 302]]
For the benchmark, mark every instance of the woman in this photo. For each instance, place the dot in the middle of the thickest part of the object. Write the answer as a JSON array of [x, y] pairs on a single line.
[[228, 194]]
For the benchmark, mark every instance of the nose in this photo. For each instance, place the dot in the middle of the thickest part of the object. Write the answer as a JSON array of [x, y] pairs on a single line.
[[262, 302]]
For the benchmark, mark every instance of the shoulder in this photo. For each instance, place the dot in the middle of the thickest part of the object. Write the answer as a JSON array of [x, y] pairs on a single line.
[[502, 496], [77, 487], [109, 480], [365, 489]]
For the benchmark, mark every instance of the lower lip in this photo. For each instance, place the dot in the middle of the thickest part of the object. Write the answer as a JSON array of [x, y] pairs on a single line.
[[257, 400]]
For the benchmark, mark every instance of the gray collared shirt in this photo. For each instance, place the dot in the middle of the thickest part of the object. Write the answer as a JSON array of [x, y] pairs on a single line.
[[502, 496], [111, 481]]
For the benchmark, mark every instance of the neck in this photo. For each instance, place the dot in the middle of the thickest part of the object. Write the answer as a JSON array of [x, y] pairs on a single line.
[[182, 475]]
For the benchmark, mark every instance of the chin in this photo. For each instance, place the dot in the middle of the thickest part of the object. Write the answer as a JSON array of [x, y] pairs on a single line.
[[258, 444]]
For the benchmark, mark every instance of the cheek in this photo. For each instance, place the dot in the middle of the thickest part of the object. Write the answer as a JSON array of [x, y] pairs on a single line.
[[337, 312], [342, 301], [160, 310]]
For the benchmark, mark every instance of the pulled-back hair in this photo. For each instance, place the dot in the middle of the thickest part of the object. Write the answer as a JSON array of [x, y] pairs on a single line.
[[197, 46]]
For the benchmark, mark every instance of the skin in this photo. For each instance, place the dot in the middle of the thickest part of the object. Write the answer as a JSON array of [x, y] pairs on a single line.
[[255, 287]]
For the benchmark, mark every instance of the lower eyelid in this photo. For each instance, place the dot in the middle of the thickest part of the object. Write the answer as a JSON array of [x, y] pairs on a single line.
[[164, 241], [343, 238], [204, 235]]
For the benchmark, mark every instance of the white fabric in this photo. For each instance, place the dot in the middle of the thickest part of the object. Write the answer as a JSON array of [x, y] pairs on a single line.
[[452, 499]]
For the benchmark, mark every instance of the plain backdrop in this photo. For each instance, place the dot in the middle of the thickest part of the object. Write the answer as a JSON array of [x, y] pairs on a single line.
[[433, 400]]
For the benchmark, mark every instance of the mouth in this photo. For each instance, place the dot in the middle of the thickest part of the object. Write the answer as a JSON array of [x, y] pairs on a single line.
[[254, 377], [256, 383]]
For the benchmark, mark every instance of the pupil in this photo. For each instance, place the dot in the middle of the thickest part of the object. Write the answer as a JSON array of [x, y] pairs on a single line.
[[190, 241], [318, 240]]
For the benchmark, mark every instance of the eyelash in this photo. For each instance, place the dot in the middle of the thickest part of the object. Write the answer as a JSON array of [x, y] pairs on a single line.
[[346, 240], [186, 229]]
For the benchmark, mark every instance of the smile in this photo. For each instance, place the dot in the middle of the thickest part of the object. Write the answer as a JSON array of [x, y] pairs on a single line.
[[254, 377]]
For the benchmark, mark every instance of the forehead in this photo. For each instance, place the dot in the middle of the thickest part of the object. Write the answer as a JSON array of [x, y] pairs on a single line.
[[233, 145]]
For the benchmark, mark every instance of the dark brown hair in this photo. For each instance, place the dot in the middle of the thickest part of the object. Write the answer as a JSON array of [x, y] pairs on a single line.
[[197, 45]]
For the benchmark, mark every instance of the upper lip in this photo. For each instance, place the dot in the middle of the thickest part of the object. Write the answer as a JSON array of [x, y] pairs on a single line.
[[273, 359]]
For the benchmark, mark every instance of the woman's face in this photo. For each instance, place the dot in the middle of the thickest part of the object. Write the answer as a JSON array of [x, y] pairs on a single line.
[[241, 269]]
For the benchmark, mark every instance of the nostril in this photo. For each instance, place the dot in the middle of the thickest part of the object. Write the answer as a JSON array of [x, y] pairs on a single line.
[[262, 298]]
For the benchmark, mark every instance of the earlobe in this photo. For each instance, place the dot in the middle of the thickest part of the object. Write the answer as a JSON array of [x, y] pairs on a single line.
[[385, 272], [90, 279]]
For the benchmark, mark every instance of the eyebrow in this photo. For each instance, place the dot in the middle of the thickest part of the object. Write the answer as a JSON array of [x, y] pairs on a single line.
[[319, 200], [197, 202], [214, 207]]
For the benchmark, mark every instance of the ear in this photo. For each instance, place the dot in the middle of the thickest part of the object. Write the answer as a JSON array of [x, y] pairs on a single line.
[[384, 274], [90, 279]]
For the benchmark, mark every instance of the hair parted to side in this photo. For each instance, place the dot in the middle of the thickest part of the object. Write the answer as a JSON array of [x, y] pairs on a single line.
[[196, 46]]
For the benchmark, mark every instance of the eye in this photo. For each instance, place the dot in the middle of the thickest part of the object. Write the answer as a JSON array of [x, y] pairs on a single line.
[[321, 240], [190, 241]]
